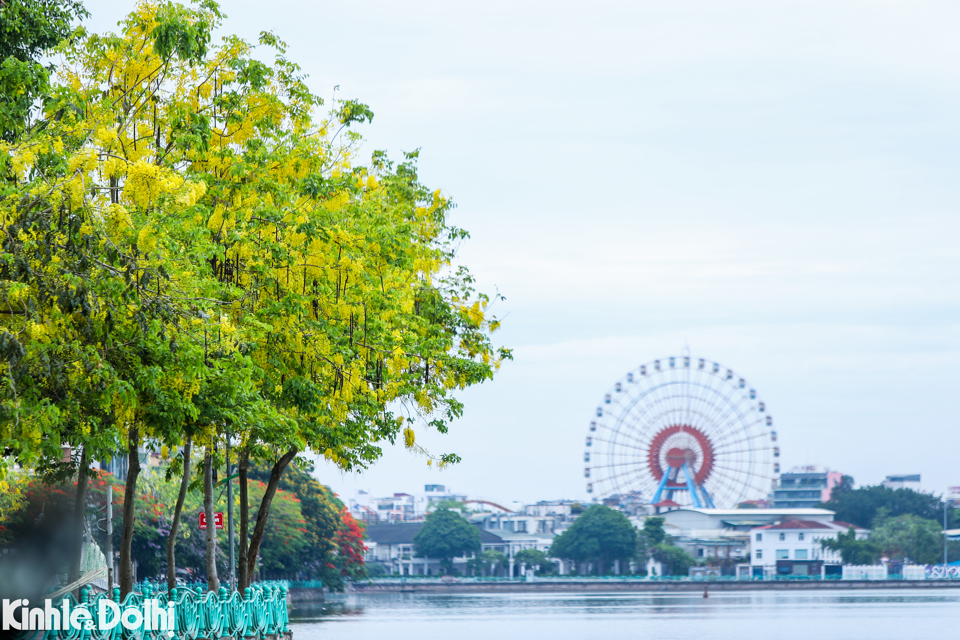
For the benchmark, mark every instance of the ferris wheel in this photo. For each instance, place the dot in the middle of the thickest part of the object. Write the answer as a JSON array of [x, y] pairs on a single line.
[[685, 432]]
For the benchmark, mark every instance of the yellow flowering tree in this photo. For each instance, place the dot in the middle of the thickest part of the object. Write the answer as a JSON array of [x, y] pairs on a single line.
[[235, 269], [104, 342], [339, 278]]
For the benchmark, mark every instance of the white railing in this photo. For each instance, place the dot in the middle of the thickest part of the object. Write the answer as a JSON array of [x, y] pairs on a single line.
[[865, 572]]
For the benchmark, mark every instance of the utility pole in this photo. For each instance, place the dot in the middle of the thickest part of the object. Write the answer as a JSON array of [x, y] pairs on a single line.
[[233, 561], [110, 539], [944, 536]]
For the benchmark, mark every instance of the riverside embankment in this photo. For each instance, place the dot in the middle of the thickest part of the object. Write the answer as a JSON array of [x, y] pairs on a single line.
[[639, 586]]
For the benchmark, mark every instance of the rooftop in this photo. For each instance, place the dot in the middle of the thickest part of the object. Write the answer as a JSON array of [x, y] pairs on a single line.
[[810, 524], [760, 512], [666, 503], [799, 524], [403, 533]]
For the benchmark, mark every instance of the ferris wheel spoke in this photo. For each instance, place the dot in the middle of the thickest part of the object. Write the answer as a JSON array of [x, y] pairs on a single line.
[[619, 475], [638, 463], [728, 452], [735, 438], [742, 471], [736, 425], [612, 442], [703, 390], [628, 441]]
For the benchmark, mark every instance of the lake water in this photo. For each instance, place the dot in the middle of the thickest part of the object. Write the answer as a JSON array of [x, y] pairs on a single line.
[[767, 615]]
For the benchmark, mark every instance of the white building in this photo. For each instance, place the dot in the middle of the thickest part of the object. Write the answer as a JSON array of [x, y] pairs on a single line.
[[794, 547], [903, 481], [546, 526], [725, 533], [522, 531]]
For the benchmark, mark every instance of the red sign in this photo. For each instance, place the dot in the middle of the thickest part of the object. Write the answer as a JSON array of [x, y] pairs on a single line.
[[217, 519]]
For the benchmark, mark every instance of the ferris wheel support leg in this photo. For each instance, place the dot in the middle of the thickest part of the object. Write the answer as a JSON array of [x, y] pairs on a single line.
[[706, 498], [691, 487], [663, 483]]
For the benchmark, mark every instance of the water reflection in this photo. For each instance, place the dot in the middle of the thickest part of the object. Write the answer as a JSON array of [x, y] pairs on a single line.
[[878, 615], [317, 611]]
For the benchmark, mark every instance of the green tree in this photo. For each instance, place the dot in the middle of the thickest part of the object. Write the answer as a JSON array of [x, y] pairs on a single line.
[[653, 529], [286, 544], [674, 560], [533, 558], [448, 504], [844, 486], [853, 551], [909, 538], [600, 535], [861, 506], [648, 537], [487, 562], [324, 524], [446, 535], [28, 29]]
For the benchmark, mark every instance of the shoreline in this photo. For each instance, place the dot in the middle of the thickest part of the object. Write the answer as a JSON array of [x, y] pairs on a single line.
[[648, 587]]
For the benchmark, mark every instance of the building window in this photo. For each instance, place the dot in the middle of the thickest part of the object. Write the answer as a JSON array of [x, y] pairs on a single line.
[[759, 537], [783, 537], [800, 554], [800, 537], [700, 553], [521, 526], [759, 554], [783, 554]]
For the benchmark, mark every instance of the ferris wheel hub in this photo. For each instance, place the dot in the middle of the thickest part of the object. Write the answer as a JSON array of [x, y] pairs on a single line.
[[677, 457], [678, 445]]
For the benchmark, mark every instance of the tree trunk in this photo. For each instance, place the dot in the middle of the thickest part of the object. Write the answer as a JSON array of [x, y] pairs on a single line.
[[264, 511], [244, 464], [172, 536], [129, 515], [79, 513], [213, 581]]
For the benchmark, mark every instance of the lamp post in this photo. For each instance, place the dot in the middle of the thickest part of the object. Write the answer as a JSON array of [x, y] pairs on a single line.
[[233, 563], [109, 544], [944, 536]]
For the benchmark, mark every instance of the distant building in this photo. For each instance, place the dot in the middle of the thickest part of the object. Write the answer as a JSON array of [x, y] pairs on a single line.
[[664, 506], [396, 508], [550, 508], [910, 481], [953, 496], [630, 504], [804, 487], [400, 507], [391, 546], [725, 533], [793, 547], [439, 493], [544, 526]]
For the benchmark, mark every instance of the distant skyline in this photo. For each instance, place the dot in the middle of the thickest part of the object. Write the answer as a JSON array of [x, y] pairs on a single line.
[[773, 184]]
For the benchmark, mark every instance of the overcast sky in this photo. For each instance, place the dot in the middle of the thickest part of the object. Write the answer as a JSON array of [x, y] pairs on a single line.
[[773, 184]]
